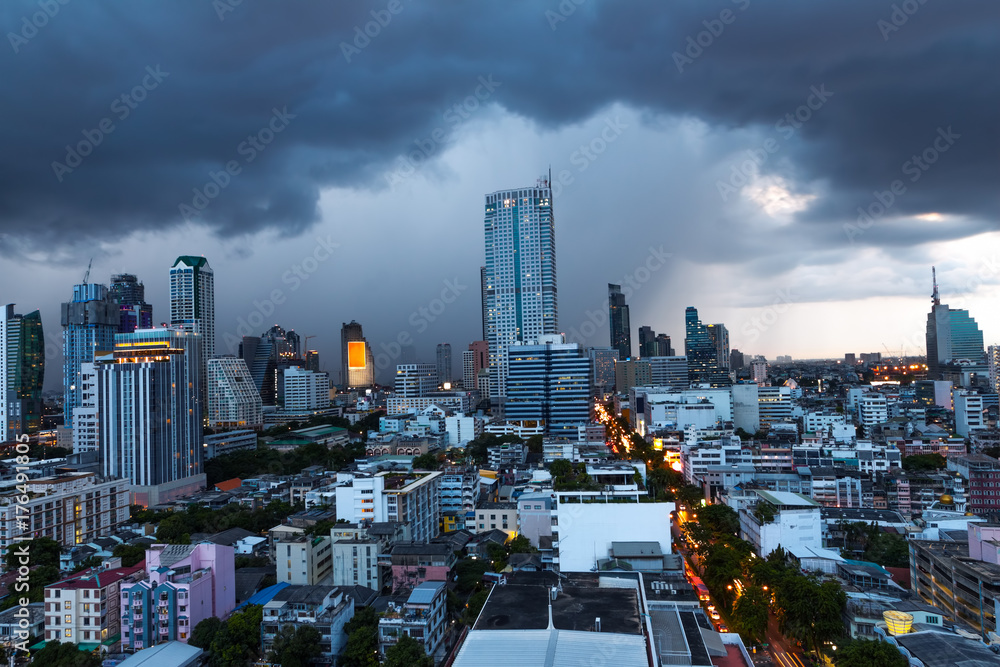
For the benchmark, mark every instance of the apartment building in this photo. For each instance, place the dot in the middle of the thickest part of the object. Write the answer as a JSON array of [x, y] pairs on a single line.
[[85, 608], [325, 608], [421, 617], [185, 584], [305, 560], [71, 509]]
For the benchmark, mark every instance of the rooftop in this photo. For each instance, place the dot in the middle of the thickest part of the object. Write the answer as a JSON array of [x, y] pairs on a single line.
[[940, 649], [787, 499], [168, 654]]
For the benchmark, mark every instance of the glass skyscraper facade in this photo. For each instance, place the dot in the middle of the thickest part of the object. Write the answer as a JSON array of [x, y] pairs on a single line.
[[953, 336], [192, 305], [521, 293], [551, 384], [621, 328], [90, 322], [702, 351], [22, 372]]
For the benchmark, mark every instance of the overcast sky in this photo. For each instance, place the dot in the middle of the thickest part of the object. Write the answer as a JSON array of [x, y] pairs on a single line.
[[714, 153]]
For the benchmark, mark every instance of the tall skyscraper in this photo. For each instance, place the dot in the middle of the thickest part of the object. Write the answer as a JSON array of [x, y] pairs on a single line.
[[22, 372], [952, 337], [482, 295], [652, 344], [415, 380], [719, 335], [150, 413], [192, 306], [233, 399], [702, 351], [358, 364], [549, 383], [90, 322], [130, 295], [521, 292], [312, 361], [621, 328], [736, 360], [443, 363]]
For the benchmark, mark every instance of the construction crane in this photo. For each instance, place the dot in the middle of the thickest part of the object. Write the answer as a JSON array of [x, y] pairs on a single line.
[[306, 343], [86, 276]]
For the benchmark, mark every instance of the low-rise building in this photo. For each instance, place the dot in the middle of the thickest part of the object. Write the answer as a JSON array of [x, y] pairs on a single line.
[[325, 608], [185, 584], [779, 519], [496, 516], [415, 562], [305, 560], [421, 617], [85, 608]]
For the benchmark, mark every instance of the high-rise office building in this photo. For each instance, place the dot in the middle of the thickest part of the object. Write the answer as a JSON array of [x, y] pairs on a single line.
[[953, 337], [632, 373], [758, 371], [549, 383], [444, 362], [312, 360], [652, 344], [233, 399], [22, 372], [621, 328], [719, 335], [602, 368], [150, 413], [702, 351], [305, 390], [521, 292], [130, 295], [90, 322], [474, 360], [192, 307], [259, 356], [668, 371], [415, 380], [357, 361], [736, 360], [482, 296]]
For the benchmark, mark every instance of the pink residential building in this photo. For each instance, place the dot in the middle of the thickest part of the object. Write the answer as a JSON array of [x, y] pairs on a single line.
[[186, 584], [414, 563]]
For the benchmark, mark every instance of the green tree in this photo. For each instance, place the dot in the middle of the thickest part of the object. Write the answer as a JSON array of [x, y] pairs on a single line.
[[690, 495], [407, 652], [520, 545], [361, 649], [764, 512], [426, 461], [561, 468], [295, 647], [173, 530], [238, 640], [720, 519], [469, 573], [750, 613], [58, 654], [42, 552], [204, 633], [922, 462], [535, 443], [868, 653]]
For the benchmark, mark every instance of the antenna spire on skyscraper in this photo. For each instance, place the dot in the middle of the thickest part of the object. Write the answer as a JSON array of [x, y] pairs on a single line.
[[935, 297]]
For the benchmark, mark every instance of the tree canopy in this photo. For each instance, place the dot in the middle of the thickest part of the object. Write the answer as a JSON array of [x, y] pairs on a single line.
[[869, 653], [407, 652]]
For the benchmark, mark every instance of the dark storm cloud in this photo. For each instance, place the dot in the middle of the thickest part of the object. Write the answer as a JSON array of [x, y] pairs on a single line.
[[227, 70]]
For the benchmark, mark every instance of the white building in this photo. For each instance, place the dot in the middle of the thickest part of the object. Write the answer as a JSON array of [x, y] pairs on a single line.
[[698, 457], [192, 305], [746, 407], [304, 561], [86, 425], [873, 409], [413, 498], [305, 390], [233, 400], [325, 608], [520, 273], [461, 429], [969, 413], [663, 407], [758, 371], [584, 532], [779, 518], [774, 404], [415, 380]]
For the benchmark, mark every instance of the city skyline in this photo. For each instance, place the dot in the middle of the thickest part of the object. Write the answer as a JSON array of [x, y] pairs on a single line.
[[764, 169]]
